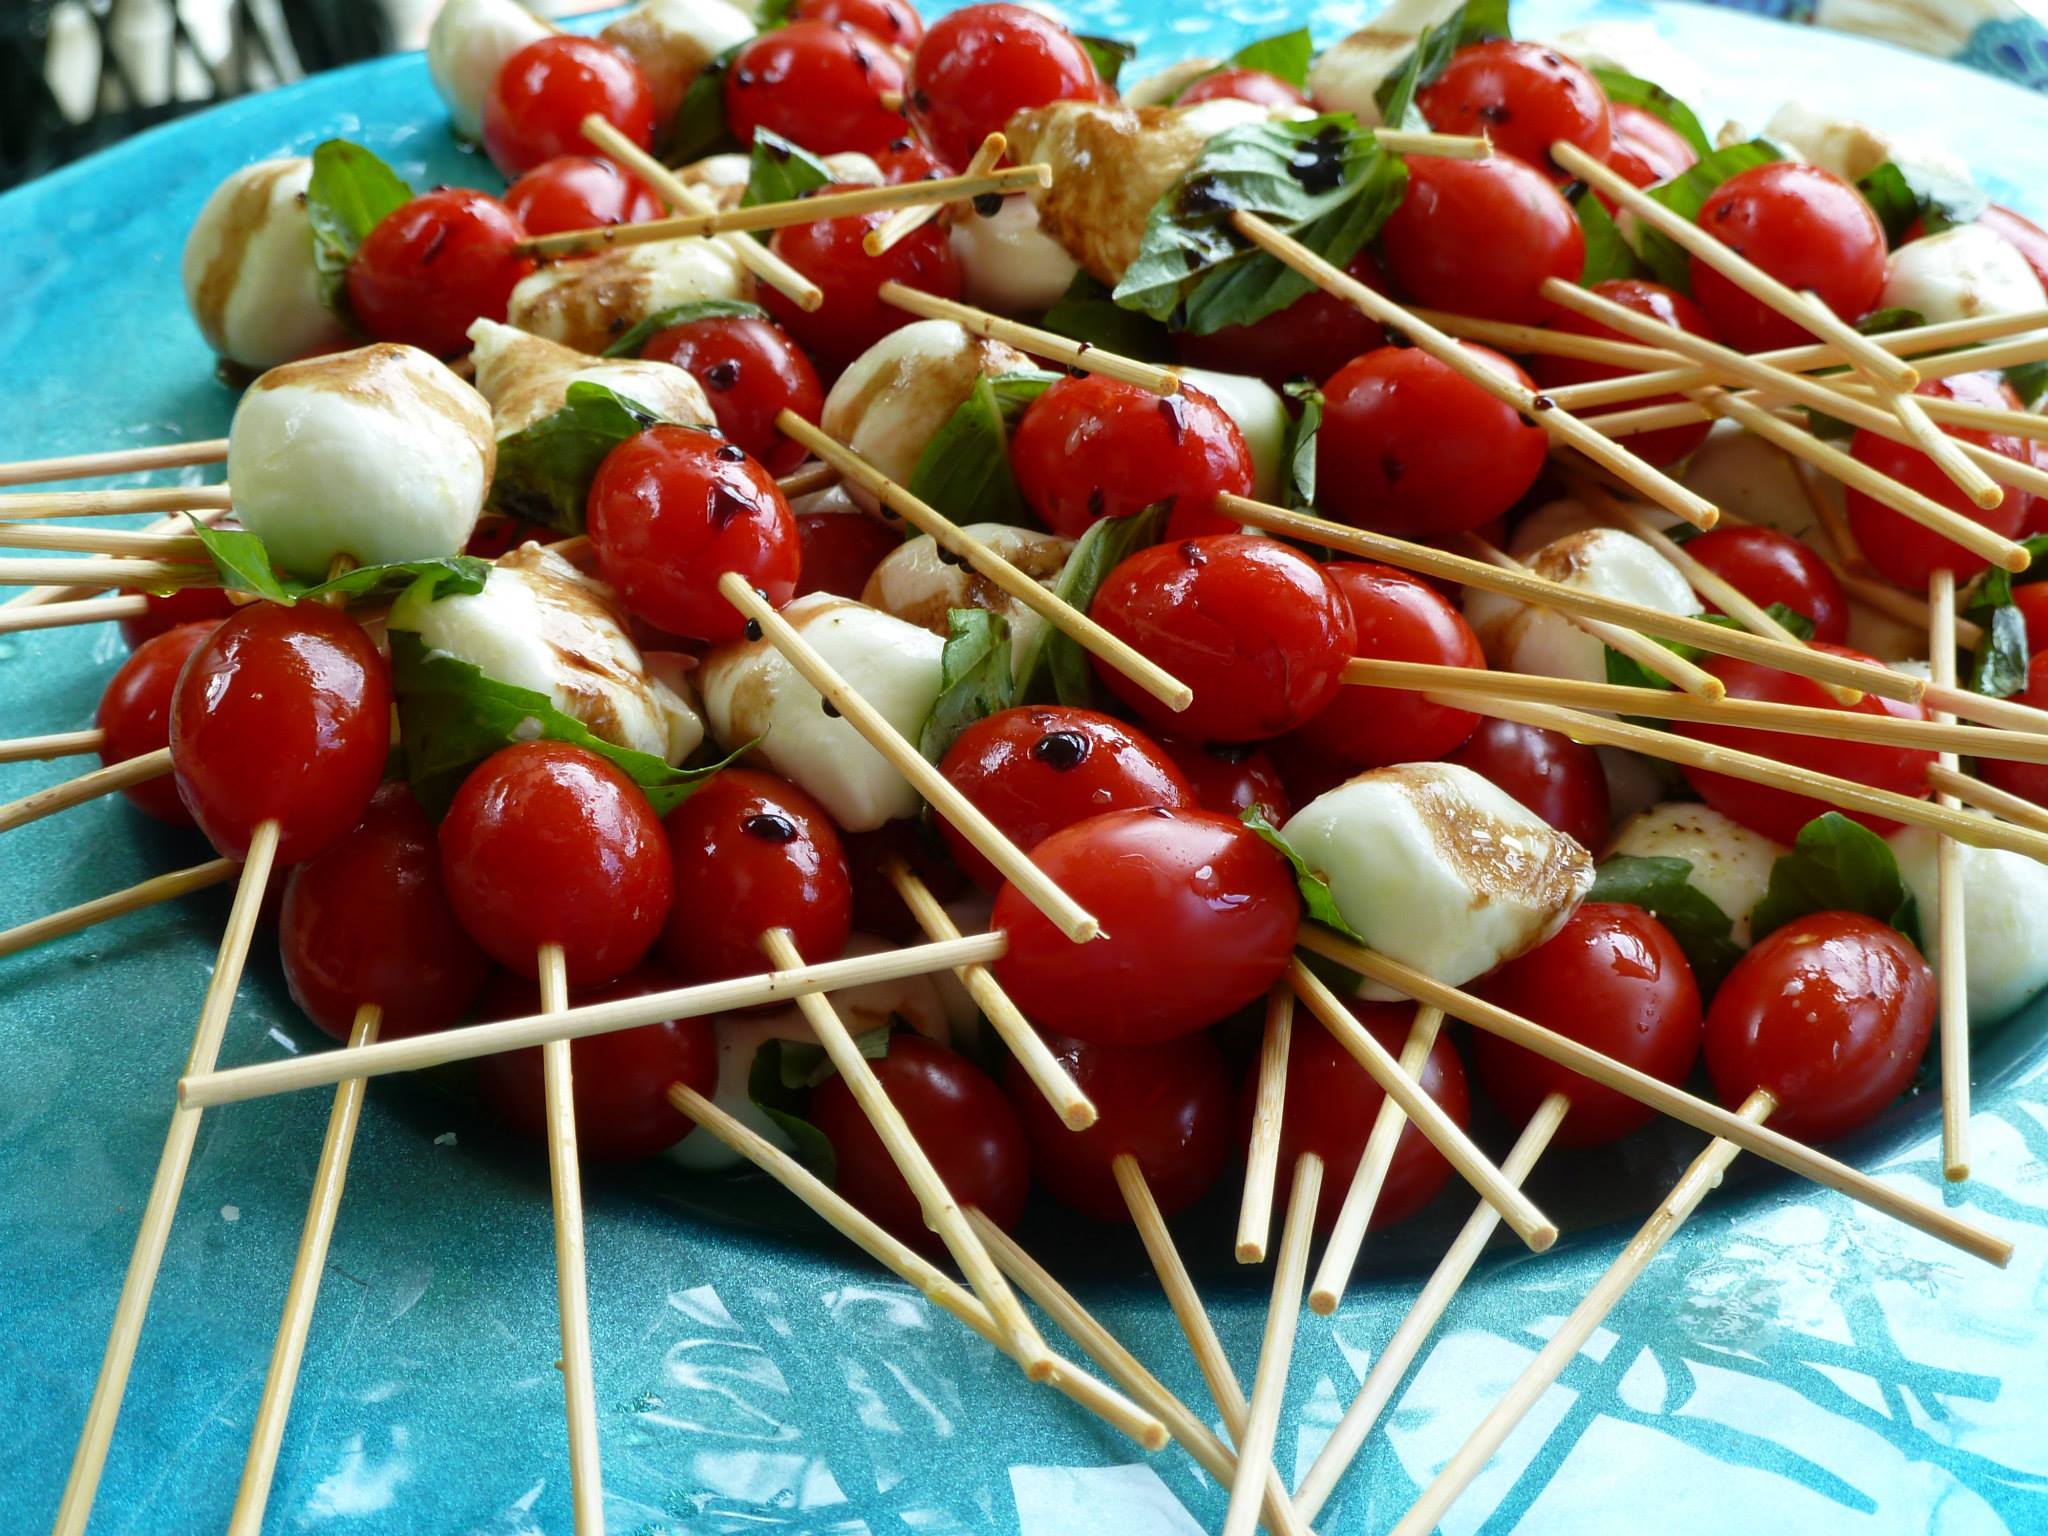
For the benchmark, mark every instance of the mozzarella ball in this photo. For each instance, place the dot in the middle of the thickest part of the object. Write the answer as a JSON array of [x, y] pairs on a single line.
[[915, 585], [1008, 263], [1850, 149], [1346, 76], [380, 454], [1960, 274], [2004, 897], [672, 41], [1160, 89], [750, 691], [1731, 865], [1439, 868], [526, 377], [588, 303], [1753, 481], [892, 399], [1555, 519], [1521, 638], [248, 269], [1261, 418], [467, 47]]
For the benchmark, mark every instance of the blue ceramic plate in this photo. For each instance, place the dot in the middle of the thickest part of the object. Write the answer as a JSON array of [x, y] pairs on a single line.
[[1790, 1364]]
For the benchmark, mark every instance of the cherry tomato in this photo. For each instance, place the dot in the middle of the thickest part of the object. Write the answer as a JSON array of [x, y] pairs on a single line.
[[1900, 549], [1554, 776], [546, 843], [1480, 237], [1092, 447], [852, 317], [672, 510], [1230, 777], [1523, 96], [496, 534], [816, 84], [1831, 1013], [281, 714], [877, 908], [2025, 236], [1257, 630], [367, 920], [2032, 601], [893, 21], [1398, 618], [1199, 918], [1778, 813], [435, 266], [135, 714], [1168, 1107], [1614, 979], [841, 551], [909, 159], [1806, 227], [980, 66], [2027, 780], [753, 852], [1233, 84], [1041, 767], [957, 1114], [1670, 444], [1311, 338], [751, 372], [579, 192], [1767, 566], [534, 110], [1646, 149], [167, 610], [1408, 446], [619, 1080]]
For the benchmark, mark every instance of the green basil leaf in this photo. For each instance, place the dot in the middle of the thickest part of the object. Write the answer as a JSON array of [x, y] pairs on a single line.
[[1055, 668], [1663, 888], [1836, 865], [1476, 21], [1627, 672], [1900, 195], [1109, 55], [774, 13], [1897, 318], [1608, 256], [1286, 56], [1787, 616], [699, 127], [1630, 90], [780, 171], [783, 1103], [1994, 587], [1316, 898], [803, 1066], [1999, 667], [2030, 382], [1086, 312], [1298, 455], [1685, 195], [974, 678], [243, 564], [350, 193], [964, 470], [545, 469], [629, 345]]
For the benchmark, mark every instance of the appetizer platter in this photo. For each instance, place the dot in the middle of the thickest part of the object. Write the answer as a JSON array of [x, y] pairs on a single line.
[[895, 772]]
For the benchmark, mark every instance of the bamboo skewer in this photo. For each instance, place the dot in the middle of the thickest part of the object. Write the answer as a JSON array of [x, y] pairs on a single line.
[[1450, 146], [118, 461], [41, 930], [1276, 1351], [1956, 413], [29, 749], [1269, 1109], [66, 590], [1702, 1176], [1986, 797], [1545, 341], [1952, 987], [802, 482], [1945, 451], [1030, 338], [100, 541], [87, 786], [907, 221], [1181, 1296], [107, 571], [31, 505], [2005, 714], [1032, 882], [84, 610]]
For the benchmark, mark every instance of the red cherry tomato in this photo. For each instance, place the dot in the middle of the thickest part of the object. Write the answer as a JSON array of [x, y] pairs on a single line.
[[1523, 96], [1646, 149], [1199, 918], [1038, 768], [1671, 444], [1311, 338], [435, 266], [1230, 777], [841, 551], [753, 852], [281, 714], [1832, 1014], [534, 110], [1767, 567], [496, 534], [816, 84], [1614, 979], [1254, 85], [1806, 227], [1554, 776], [909, 159], [956, 1113], [546, 843], [1168, 1107], [619, 1080], [852, 317], [1398, 618], [579, 192], [877, 908], [1409, 446], [672, 510], [167, 610], [893, 21], [135, 714], [1480, 236], [1778, 813], [982, 65], [751, 372], [1092, 447], [2025, 236], [368, 921], [1257, 630], [2027, 780]]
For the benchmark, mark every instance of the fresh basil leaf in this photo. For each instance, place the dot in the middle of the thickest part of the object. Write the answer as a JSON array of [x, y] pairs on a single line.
[[773, 14], [1685, 195], [243, 564], [780, 171], [1608, 256], [2030, 382], [1109, 55], [699, 127], [349, 194], [1298, 454], [1787, 616], [1054, 667], [1897, 318], [545, 469], [803, 1066], [1086, 312], [1901, 195], [1631, 90], [974, 673], [1994, 587], [1286, 57], [1316, 897], [629, 345], [1627, 672], [1836, 865], [964, 470], [784, 1103], [1663, 888], [1476, 21], [1999, 667]]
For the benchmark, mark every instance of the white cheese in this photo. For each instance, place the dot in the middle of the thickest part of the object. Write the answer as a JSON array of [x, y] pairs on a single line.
[[248, 269]]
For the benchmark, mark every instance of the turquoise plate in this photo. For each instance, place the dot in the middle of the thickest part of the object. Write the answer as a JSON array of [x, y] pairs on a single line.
[[1791, 1363]]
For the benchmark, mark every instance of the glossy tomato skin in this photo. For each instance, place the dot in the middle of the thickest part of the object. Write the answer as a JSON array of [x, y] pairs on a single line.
[[1258, 631], [1646, 149], [1806, 227], [1311, 338], [853, 317], [546, 843], [285, 714], [840, 551], [1040, 767], [817, 84], [957, 1114], [1480, 236], [1238, 84], [1557, 778], [1523, 96], [1230, 777], [1613, 979], [579, 192], [1169, 1107], [534, 110], [1778, 813], [367, 920], [672, 510], [1831, 1013], [619, 1080], [167, 610], [751, 372], [1656, 301], [894, 22], [753, 852], [980, 66], [135, 714], [434, 266], [1199, 918], [1091, 447], [1767, 566], [2027, 780], [1398, 618], [1408, 446], [908, 159]]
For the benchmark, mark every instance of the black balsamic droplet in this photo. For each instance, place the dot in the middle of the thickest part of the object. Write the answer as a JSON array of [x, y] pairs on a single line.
[[1319, 164], [1062, 750], [753, 629], [1542, 403], [723, 375], [1098, 502], [1497, 112], [732, 453], [769, 827], [988, 204], [830, 712]]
